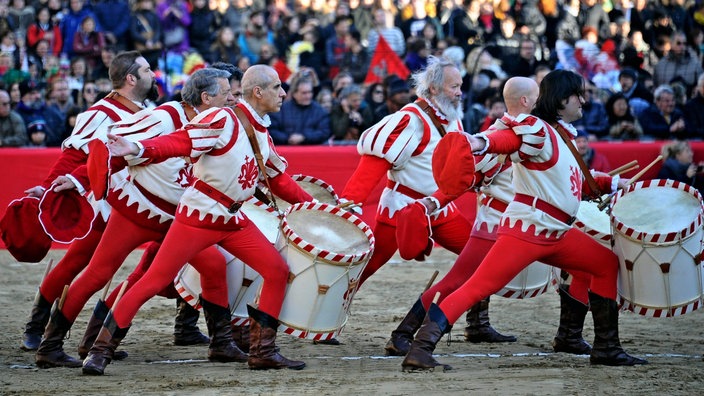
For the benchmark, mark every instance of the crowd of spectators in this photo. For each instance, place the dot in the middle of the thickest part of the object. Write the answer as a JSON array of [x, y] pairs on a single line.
[[642, 59]]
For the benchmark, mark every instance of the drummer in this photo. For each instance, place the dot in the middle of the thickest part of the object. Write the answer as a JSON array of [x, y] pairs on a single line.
[[208, 213], [536, 225]]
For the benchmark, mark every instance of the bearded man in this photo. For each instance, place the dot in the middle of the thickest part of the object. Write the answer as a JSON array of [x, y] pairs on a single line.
[[400, 147]]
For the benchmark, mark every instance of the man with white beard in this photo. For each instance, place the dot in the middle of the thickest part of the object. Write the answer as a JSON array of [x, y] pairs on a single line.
[[400, 147]]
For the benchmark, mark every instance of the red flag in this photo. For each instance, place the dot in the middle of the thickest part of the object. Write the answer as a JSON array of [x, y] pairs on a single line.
[[385, 62]]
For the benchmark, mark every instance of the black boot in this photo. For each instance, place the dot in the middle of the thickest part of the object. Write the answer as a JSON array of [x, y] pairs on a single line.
[[240, 334], [402, 337], [38, 318], [607, 348], [51, 350], [420, 356], [478, 327], [222, 347], [186, 331], [100, 312], [103, 349], [263, 353], [569, 334]]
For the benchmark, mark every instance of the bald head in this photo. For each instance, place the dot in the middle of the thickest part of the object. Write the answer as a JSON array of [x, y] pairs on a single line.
[[520, 95], [261, 88], [257, 76]]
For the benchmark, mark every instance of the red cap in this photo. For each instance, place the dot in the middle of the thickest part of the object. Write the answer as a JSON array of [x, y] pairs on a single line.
[[413, 232], [98, 166], [66, 215], [22, 233], [453, 165]]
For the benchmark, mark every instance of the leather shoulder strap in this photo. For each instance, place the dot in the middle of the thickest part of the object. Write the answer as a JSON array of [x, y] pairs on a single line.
[[425, 106], [189, 111], [114, 95], [585, 170]]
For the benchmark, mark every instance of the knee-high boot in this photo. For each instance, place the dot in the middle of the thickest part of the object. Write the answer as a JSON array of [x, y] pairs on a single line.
[[51, 350], [478, 327], [103, 349], [186, 331], [100, 312], [569, 333], [402, 337], [420, 356], [263, 353], [240, 334], [607, 348], [38, 318], [222, 347]]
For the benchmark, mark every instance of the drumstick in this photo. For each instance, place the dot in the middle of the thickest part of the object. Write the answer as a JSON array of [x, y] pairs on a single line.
[[432, 279], [119, 295], [46, 272], [63, 297], [436, 298], [632, 180], [623, 168], [106, 290]]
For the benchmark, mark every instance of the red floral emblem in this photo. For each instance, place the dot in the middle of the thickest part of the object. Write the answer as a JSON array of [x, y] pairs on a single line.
[[576, 182], [183, 178], [249, 173]]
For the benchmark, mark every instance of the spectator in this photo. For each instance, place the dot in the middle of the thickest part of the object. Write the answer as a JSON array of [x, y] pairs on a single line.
[[175, 20], [678, 164], [356, 59], [89, 95], [145, 31], [341, 81], [525, 63], [101, 69], [694, 111], [592, 14], [623, 125], [497, 108], [114, 17], [335, 46], [325, 99], [203, 28], [45, 28], [15, 94], [417, 55], [679, 62], [384, 27], [88, 43], [71, 23], [78, 74], [255, 35], [288, 34], [351, 116], [662, 120], [20, 16], [413, 26], [13, 132], [301, 119], [639, 97], [594, 119], [505, 41], [637, 54], [397, 96], [591, 157], [375, 96], [44, 124], [224, 47], [59, 96]]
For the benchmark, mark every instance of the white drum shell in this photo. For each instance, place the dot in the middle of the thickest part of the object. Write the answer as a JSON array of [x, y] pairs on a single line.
[[533, 281]]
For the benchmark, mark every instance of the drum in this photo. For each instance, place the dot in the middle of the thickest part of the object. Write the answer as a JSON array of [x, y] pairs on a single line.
[[243, 282], [533, 281], [318, 189], [326, 249], [658, 240]]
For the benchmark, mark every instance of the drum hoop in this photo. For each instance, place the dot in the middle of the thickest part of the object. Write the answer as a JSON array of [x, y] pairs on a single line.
[[262, 205], [299, 242], [318, 331], [325, 260], [638, 238], [657, 238], [646, 310], [316, 181], [591, 231]]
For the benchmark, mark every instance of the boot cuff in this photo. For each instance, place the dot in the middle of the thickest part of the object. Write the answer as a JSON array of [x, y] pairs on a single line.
[[263, 318]]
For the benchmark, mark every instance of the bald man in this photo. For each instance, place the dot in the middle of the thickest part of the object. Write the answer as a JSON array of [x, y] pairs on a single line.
[[225, 174], [520, 94]]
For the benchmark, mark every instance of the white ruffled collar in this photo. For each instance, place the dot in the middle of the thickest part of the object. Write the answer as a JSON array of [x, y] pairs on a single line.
[[569, 128], [263, 121], [443, 119]]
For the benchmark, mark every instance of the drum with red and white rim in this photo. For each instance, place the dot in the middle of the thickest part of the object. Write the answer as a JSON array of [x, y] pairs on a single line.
[[317, 188], [326, 249], [533, 281], [658, 239]]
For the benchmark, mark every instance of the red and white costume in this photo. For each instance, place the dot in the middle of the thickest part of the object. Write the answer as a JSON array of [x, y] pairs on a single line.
[[224, 165], [401, 146], [90, 124], [536, 225], [144, 205]]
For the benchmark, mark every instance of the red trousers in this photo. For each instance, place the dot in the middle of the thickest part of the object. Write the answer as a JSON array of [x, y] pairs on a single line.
[[120, 238], [452, 235], [181, 245], [579, 254]]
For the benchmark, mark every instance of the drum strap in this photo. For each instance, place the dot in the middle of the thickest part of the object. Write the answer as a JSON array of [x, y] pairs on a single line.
[[595, 196], [260, 195], [543, 206], [130, 105], [425, 106]]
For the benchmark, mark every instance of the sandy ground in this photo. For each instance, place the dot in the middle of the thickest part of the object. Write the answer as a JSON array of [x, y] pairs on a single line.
[[673, 346]]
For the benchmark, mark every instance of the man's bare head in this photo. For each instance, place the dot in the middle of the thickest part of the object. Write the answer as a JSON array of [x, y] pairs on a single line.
[[261, 88], [520, 95]]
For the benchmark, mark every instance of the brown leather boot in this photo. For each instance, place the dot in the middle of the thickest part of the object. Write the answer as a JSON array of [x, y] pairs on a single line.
[[607, 348], [51, 350], [420, 356], [95, 323], [569, 334], [222, 347], [478, 327], [103, 349], [240, 334], [262, 343], [186, 331], [402, 337], [38, 318]]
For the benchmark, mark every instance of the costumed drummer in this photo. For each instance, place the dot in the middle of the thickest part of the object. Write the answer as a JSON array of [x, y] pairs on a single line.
[[133, 83], [536, 225], [399, 148], [225, 174]]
